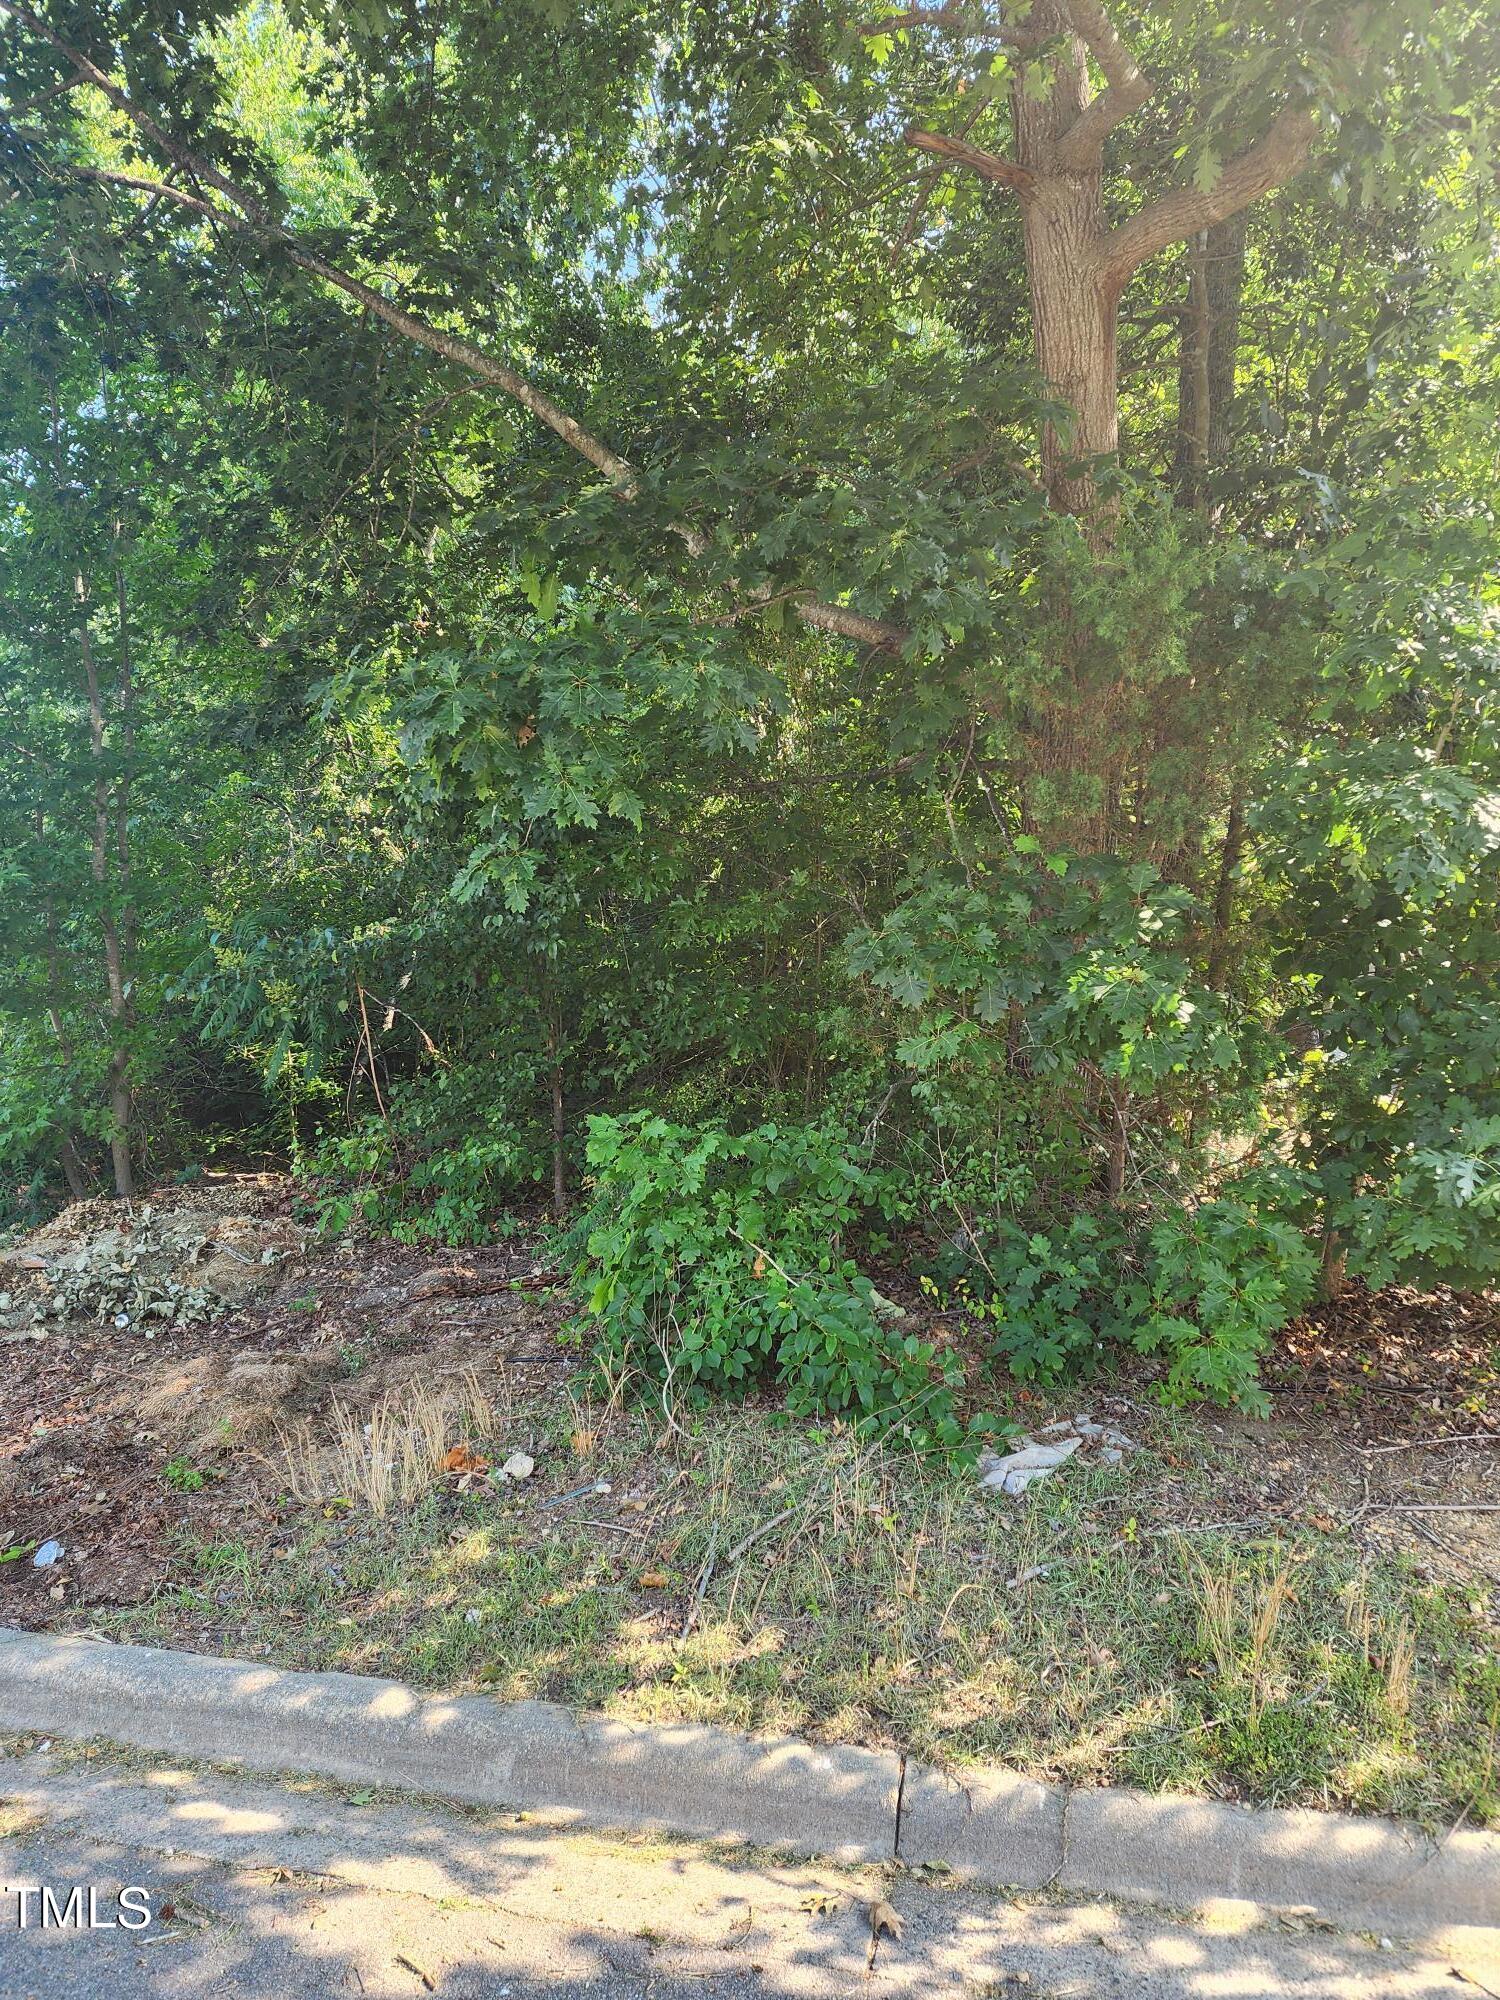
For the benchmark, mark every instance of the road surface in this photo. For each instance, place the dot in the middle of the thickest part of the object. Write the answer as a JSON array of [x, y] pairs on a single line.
[[261, 1891]]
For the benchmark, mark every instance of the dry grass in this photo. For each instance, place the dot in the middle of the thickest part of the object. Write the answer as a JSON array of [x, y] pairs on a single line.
[[779, 1578], [1231, 1603], [1400, 1668], [389, 1461]]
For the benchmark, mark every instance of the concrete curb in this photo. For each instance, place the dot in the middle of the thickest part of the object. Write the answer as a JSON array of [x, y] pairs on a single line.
[[849, 1804]]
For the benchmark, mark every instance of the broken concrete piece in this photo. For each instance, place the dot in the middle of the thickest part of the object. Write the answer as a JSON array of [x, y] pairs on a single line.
[[1020, 1469]]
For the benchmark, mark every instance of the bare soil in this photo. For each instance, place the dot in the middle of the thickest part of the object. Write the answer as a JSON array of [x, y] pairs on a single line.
[[106, 1430]]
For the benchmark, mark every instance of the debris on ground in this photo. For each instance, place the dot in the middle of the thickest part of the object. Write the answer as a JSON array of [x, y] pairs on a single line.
[[520, 1465], [90, 1424], [141, 1273], [1022, 1468], [1032, 1460], [884, 1921], [48, 1554], [212, 1403]]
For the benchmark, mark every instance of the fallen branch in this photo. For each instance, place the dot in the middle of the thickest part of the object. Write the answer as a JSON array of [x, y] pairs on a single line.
[[1423, 1444], [706, 1574]]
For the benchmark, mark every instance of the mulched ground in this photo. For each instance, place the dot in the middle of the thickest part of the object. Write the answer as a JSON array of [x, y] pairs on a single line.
[[1397, 1358]]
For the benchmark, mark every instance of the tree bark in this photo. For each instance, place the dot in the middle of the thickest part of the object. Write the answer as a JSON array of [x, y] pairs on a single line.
[[122, 789], [559, 1121], [1332, 1279], [1229, 861], [1073, 311], [1210, 348], [72, 1165]]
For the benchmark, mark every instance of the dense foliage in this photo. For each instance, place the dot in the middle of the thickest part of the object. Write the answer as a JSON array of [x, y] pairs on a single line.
[[583, 620]]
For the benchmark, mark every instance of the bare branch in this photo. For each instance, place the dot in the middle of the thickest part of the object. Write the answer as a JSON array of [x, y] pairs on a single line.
[[1273, 160], [247, 216], [45, 96], [158, 191], [1278, 156], [989, 166], [1128, 89]]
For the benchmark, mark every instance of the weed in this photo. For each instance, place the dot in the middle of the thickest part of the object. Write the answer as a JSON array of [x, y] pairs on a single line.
[[232, 1560], [392, 1459]]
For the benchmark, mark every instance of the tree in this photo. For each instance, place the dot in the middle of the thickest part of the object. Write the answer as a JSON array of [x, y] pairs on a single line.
[[769, 565]]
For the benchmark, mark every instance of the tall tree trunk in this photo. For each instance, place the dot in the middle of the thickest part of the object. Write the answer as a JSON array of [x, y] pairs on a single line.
[[1230, 855], [1210, 348], [1073, 781], [122, 788], [1073, 308], [559, 1115], [120, 1109], [1077, 268]]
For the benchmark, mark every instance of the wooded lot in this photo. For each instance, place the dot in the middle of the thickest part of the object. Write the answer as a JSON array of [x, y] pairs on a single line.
[[820, 640]]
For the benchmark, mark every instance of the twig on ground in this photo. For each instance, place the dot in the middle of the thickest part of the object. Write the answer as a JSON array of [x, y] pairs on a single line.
[[1431, 1535], [1364, 1505], [1211, 1527], [1421, 1444], [706, 1574]]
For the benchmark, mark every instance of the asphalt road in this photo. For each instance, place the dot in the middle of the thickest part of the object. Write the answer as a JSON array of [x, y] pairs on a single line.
[[274, 1892]]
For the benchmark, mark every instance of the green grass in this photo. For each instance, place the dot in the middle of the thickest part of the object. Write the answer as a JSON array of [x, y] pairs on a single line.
[[1282, 1668]]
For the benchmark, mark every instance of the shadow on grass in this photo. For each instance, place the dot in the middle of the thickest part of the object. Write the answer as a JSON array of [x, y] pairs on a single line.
[[1090, 1632]]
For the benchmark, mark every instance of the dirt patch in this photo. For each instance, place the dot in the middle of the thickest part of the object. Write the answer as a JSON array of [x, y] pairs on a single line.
[[210, 1406], [128, 1435]]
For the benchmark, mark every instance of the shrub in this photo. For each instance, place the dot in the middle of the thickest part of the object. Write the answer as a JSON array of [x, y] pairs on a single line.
[[1205, 1285], [715, 1262], [1217, 1280], [441, 1169], [1047, 1293]]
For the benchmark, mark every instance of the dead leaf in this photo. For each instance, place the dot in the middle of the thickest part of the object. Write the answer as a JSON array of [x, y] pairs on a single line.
[[758, 1268], [884, 1919], [819, 1903], [526, 733], [653, 1579], [463, 1458]]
